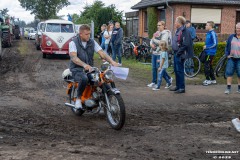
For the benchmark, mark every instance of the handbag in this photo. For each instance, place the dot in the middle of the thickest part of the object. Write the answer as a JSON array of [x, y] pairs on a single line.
[[202, 56]]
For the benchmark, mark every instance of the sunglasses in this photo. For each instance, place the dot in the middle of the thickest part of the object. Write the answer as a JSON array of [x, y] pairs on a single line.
[[159, 25]]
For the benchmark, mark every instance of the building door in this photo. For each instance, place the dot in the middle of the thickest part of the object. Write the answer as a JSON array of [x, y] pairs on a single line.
[[238, 17]]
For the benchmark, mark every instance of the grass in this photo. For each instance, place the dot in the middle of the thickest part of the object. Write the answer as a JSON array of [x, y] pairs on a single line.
[[138, 70], [23, 47]]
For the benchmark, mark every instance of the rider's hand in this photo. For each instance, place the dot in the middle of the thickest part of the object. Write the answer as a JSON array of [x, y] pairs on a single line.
[[204, 47], [87, 67]]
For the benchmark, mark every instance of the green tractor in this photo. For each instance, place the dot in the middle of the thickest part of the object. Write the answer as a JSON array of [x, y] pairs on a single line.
[[6, 31]]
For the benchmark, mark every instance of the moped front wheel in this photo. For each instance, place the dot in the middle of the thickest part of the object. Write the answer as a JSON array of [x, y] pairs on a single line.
[[115, 111]]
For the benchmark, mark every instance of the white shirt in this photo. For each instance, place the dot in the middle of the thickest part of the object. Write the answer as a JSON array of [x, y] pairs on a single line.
[[107, 33], [73, 48]]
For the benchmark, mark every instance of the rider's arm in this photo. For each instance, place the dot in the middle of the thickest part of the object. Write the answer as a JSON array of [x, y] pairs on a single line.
[[74, 58], [103, 55]]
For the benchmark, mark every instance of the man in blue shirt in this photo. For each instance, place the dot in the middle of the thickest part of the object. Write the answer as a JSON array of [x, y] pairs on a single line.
[[210, 49], [191, 29]]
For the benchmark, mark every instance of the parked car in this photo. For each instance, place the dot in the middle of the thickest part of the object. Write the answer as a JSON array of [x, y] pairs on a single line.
[[38, 36], [31, 34], [56, 36]]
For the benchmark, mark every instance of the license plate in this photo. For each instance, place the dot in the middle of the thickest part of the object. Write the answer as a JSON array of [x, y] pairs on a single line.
[[60, 52]]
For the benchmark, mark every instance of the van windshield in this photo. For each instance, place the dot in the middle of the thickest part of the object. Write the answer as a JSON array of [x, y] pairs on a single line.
[[54, 27]]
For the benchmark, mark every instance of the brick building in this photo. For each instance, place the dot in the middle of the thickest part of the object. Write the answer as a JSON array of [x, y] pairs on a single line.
[[225, 14]]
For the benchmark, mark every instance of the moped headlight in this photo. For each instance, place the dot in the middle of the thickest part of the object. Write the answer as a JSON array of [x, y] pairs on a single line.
[[109, 75], [49, 43]]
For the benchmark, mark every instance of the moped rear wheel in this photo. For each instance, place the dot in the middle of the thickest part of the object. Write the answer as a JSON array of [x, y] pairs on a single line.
[[72, 100], [116, 111]]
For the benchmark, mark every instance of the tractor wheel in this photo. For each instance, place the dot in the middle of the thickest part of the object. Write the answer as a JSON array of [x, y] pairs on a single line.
[[6, 40]]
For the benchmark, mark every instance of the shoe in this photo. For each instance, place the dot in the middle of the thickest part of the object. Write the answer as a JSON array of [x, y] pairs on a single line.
[[207, 82], [106, 62], [238, 91], [78, 104], [171, 79], [151, 85], [120, 64], [213, 82], [236, 124], [168, 85], [173, 89], [180, 91], [156, 89], [227, 91]]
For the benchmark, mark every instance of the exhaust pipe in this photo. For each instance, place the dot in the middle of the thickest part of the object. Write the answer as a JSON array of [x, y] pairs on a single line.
[[69, 105]]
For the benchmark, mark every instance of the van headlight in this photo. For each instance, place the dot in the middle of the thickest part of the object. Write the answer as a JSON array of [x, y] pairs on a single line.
[[49, 43], [109, 75]]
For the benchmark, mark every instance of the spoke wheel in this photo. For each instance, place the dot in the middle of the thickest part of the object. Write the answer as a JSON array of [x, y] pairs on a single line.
[[192, 66], [116, 113]]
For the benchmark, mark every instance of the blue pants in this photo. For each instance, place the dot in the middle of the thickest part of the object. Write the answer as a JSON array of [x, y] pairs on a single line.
[[116, 50], [179, 72], [106, 48], [155, 66], [233, 64], [82, 79], [162, 74]]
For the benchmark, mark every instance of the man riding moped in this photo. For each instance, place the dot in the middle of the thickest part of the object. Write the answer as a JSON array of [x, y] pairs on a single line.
[[81, 51]]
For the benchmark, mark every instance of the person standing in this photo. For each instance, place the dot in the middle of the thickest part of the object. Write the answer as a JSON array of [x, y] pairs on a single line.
[[190, 63], [162, 73], [116, 41], [182, 46], [210, 48], [191, 29], [100, 34], [161, 34], [107, 35], [232, 52]]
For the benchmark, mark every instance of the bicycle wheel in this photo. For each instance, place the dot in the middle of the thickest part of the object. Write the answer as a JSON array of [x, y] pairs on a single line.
[[128, 53], [221, 67], [192, 66]]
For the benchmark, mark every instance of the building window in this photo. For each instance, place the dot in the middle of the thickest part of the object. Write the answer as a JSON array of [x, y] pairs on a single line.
[[200, 16], [200, 27], [162, 15], [145, 21]]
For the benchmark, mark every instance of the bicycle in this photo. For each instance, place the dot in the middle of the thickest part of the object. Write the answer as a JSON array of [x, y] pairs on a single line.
[[221, 67], [143, 51], [129, 43], [192, 65]]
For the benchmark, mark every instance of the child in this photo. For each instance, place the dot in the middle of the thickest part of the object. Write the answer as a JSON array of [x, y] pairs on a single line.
[[163, 66]]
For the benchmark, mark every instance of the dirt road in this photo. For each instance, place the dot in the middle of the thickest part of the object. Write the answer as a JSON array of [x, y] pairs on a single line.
[[35, 124]]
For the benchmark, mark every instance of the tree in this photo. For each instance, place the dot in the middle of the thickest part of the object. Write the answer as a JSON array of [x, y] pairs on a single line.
[[152, 20], [4, 12], [44, 9], [99, 14]]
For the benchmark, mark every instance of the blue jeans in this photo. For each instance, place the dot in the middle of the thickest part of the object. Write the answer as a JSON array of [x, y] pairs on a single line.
[[106, 48], [116, 50], [155, 66], [162, 74], [232, 65], [179, 72]]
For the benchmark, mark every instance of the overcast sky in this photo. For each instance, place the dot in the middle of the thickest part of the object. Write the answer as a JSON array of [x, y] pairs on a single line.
[[76, 6]]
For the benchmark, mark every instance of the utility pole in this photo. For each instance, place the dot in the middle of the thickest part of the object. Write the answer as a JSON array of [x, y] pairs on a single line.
[[0, 40]]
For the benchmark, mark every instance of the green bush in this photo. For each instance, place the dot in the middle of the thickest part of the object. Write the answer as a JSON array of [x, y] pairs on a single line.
[[198, 47], [152, 18]]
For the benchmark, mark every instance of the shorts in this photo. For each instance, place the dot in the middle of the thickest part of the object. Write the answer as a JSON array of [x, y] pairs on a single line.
[[232, 65]]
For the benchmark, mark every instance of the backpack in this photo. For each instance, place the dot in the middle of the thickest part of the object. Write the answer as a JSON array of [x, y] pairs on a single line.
[[169, 41]]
